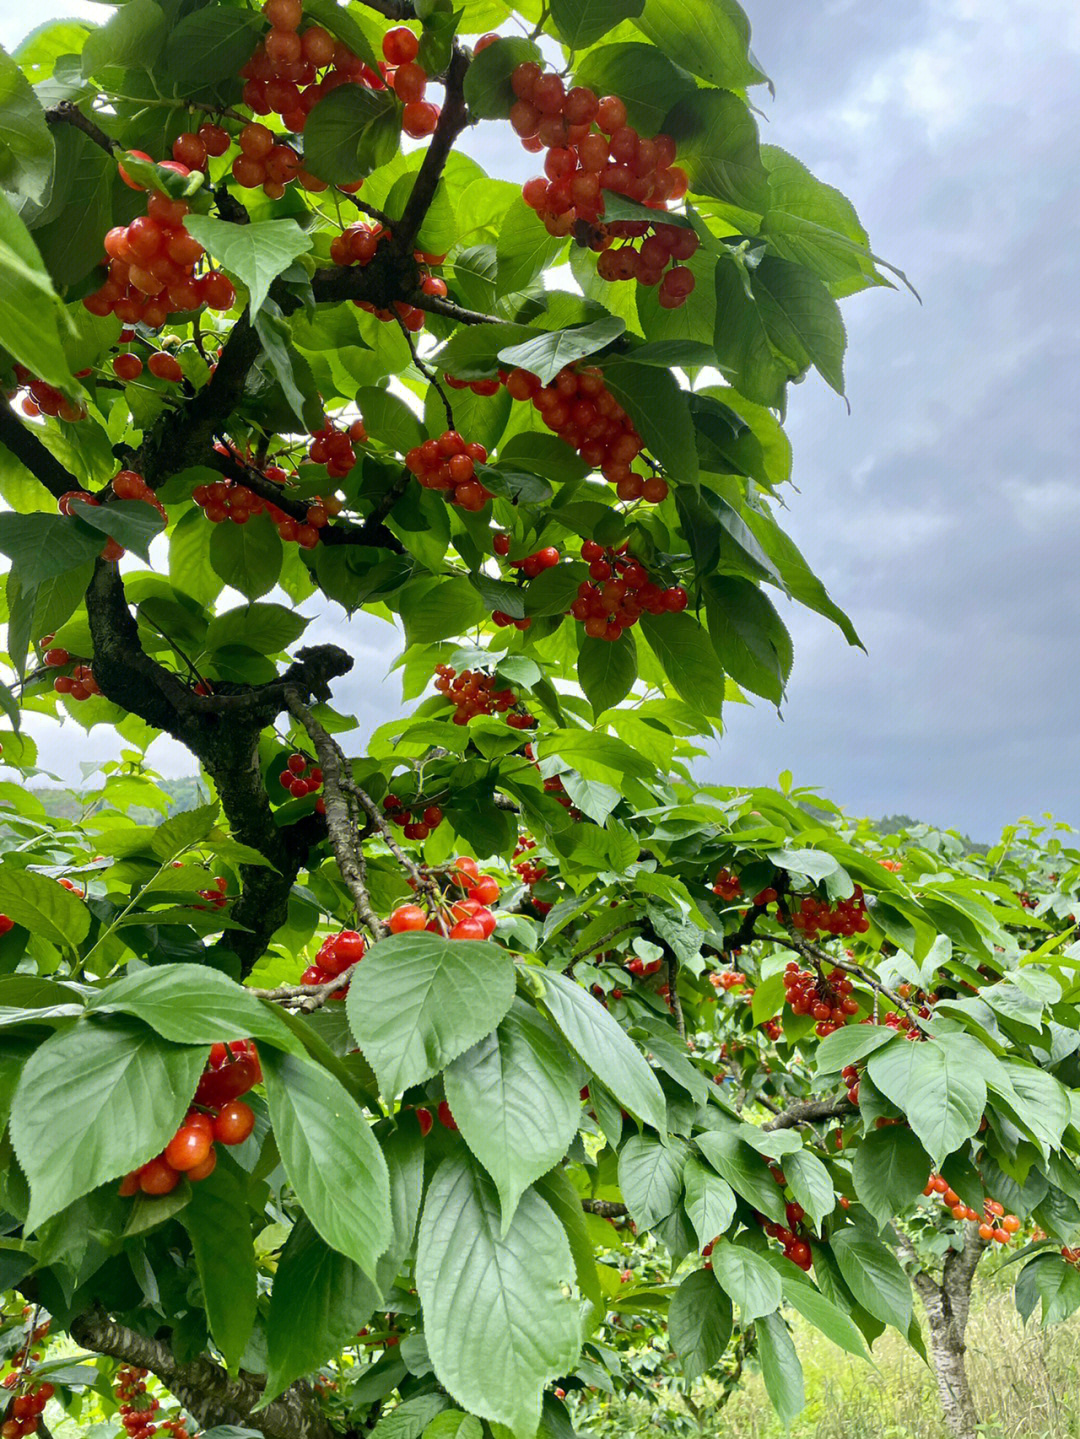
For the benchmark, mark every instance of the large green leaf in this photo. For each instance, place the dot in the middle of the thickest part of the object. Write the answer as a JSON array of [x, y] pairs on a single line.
[[256, 254], [718, 148], [660, 411], [743, 349], [748, 1278], [208, 46], [607, 671], [404, 1154], [318, 1302], [518, 1329], [744, 1170], [557, 1189], [133, 37], [889, 1171], [523, 248], [699, 1323], [331, 1157], [874, 1276], [643, 77], [217, 1220], [689, 660], [801, 318], [749, 637], [193, 1004], [515, 1099], [32, 320], [551, 351], [811, 1184], [780, 1367], [710, 38], [95, 1101], [43, 906], [247, 557], [602, 1044], [710, 1201], [261, 627], [419, 1000], [651, 1178], [26, 145], [936, 1087], [488, 92], [581, 23]]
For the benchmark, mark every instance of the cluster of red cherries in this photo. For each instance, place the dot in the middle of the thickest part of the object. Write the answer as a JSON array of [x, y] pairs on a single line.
[[216, 897], [465, 911], [403, 815], [44, 399], [582, 411], [231, 500], [357, 245], [336, 954], [80, 684], [472, 692], [138, 1409], [300, 777], [153, 262], [484, 388], [334, 448], [26, 1408], [128, 366], [282, 75], [448, 464], [793, 1234], [583, 162], [618, 592], [828, 999], [727, 885], [528, 872], [845, 918], [994, 1224], [217, 1115]]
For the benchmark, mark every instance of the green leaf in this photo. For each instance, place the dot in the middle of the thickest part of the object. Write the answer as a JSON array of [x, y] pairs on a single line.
[[291, 370], [419, 1000], [889, 1171], [718, 147], [557, 1189], [747, 1278], [780, 1367], [388, 419], [651, 1178], [641, 75], [710, 1201], [688, 659], [341, 23], [519, 1329], [133, 38], [934, 1084], [26, 144], [32, 319], [845, 1046], [1040, 1100], [247, 557], [515, 1099], [581, 23], [699, 1323], [523, 248], [43, 906], [710, 38], [811, 1184], [743, 348], [607, 670], [748, 635], [744, 1170], [438, 610], [130, 523], [488, 92], [318, 1302], [404, 1154], [193, 1004], [472, 353], [660, 411], [822, 1313], [602, 1045], [452, 1423], [412, 1418], [796, 575], [339, 132], [331, 1157], [95, 1101], [801, 318], [217, 1221], [551, 351], [267, 629], [209, 46], [873, 1275], [256, 253]]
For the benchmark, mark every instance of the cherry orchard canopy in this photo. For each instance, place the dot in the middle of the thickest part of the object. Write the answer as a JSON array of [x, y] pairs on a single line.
[[367, 1080]]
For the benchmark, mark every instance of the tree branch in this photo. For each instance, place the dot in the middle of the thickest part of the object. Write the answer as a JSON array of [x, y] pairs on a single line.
[[812, 1111], [66, 112], [20, 440], [203, 1387], [605, 1208], [452, 120]]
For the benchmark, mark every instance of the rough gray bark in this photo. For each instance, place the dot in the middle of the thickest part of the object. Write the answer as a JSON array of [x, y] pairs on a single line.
[[947, 1305]]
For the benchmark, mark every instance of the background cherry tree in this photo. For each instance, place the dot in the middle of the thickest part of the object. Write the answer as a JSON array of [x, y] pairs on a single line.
[[382, 1088]]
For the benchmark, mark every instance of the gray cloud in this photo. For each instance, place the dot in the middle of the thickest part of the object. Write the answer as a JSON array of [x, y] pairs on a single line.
[[944, 512]]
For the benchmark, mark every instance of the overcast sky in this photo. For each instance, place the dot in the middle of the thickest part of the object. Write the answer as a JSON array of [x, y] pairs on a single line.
[[944, 511]]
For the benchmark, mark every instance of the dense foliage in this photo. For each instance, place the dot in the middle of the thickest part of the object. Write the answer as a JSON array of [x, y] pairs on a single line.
[[408, 1082]]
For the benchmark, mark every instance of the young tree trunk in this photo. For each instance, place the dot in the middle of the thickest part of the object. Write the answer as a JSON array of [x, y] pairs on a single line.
[[947, 1305]]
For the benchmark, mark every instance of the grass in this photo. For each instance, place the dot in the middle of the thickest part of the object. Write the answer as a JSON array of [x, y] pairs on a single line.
[[1023, 1378]]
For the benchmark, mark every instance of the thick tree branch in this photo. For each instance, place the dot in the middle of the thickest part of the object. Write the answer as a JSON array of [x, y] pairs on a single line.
[[812, 1111], [203, 1387], [66, 112], [21, 441], [605, 1208], [452, 120]]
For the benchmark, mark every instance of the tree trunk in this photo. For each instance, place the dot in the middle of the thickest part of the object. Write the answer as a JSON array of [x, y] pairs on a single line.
[[947, 1305]]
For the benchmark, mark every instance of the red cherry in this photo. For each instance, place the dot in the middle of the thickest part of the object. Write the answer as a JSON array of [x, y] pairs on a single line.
[[446, 1116], [486, 889], [158, 1177], [468, 928], [425, 1121], [188, 1147], [406, 918], [234, 1123], [205, 1169]]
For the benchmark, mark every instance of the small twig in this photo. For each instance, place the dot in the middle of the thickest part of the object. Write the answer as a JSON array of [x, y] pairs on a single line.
[[340, 821], [605, 1208], [604, 940], [451, 310], [428, 373], [66, 112], [673, 994], [372, 211], [310, 996]]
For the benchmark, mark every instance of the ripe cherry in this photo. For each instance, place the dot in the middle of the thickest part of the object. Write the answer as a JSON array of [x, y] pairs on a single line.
[[158, 1177], [446, 1117], [468, 928], [234, 1123], [205, 1169], [406, 918], [425, 1121], [188, 1147], [486, 889]]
